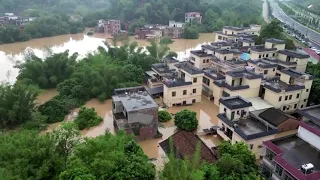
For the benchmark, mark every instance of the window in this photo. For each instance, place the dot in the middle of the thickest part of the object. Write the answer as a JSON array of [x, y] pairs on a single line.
[[263, 55], [295, 106], [280, 98], [184, 92], [290, 97], [238, 112], [286, 98], [301, 106], [204, 61], [274, 54], [278, 170], [225, 58], [224, 109], [283, 108], [307, 90], [193, 101], [194, 91], [274, 69], [195, 80], [267, 55], [174, 94], [265, 71], [232, 82], [298, 95], [305, 100], [269, 154], [207, 60], [260, 56], [251, 146]]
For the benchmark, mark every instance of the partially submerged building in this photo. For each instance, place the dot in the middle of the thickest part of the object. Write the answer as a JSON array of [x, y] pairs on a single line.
[[135, 111], [184, 146], [238, 124], [295, 157]]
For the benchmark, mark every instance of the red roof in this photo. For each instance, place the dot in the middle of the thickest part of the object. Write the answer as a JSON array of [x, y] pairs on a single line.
[[185, 143]]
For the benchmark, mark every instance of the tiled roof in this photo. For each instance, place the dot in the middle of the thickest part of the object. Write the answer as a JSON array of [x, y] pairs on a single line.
[[185, 144]]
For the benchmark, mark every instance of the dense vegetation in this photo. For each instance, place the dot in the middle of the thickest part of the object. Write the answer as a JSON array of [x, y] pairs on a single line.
[[95, 76], [86, 118], [186, 120], [314, 69], [64, 155], [274, 30], [164, 116], [235, 162]]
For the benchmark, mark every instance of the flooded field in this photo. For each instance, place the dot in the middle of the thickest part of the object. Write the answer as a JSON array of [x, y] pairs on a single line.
[[80, 43], [206, 113]]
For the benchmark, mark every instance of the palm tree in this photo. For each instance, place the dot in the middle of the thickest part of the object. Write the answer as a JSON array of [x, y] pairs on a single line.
[[158, 51]]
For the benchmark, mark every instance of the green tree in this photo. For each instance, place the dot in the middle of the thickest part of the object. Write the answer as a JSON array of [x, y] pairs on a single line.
[[108, 156], [157, 51], [191, 32], [87, 117], [17, 104], [164, 116], [186, 120]]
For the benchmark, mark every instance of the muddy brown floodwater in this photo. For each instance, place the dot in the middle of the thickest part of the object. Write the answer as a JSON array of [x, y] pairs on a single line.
[[80, 43], [206, 114]]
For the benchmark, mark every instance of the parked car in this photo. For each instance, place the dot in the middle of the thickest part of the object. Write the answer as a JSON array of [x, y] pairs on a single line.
[[313, 48], [318, 52]]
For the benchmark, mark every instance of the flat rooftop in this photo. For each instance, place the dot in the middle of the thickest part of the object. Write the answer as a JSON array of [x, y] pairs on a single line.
[[233, 28], [275, 85], [296, 74], [170, 60], [230, 64], [263, 63], [313, 114], [275, 60], [258, 104], [275, 41], [189, 68], [235, 102], [161, 68], [298, 152], [200, 53], [294, 54], [176, 83], [262, 49], [222, 43], [213, 74], [244, 74], [251, 126], [135, 101]]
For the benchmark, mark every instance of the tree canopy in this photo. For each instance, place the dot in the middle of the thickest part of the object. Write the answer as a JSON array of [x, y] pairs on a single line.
[[87, 117], [186, 120]]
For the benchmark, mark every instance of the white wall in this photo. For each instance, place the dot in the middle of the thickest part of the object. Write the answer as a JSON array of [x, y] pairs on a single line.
[[309, 137]]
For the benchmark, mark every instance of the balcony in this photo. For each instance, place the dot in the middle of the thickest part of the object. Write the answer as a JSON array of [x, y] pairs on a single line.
[[223, 135]]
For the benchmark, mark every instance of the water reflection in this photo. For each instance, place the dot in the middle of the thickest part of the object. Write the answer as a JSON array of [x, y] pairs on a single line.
[[80, 43]]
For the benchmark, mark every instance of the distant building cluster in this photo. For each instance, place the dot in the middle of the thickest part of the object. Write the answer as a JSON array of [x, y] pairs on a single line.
[[12, 19], [173, 30], [112, 27]]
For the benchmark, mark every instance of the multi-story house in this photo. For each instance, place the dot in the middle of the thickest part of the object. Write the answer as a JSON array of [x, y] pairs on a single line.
[[238, 124], [244, 83], [161, 71], [185, 87], [231, 33], [135, 111], [295, 157], [200, 59], [151, 32], [112, 27], [293, 56], [193, 16], [288, 92]]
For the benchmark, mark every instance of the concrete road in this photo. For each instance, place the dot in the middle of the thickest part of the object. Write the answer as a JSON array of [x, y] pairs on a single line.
[[309, 33]]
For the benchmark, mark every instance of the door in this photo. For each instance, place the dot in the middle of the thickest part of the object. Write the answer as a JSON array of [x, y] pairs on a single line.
[[184, 102], [232, 115]]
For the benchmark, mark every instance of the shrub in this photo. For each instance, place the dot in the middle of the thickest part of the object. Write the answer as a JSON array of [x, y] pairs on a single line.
[[87, 117], [186, 120], [166, 40], [90, 33], [164, 116]]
